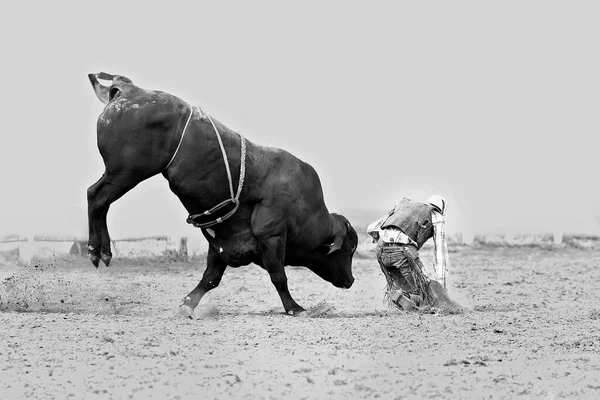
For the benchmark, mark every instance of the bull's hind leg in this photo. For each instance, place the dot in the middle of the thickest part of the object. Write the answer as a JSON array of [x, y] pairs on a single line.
[[215, 267], [100, 195], [273, 254]]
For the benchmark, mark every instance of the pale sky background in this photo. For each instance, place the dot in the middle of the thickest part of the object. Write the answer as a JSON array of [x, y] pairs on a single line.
[[493, 105]]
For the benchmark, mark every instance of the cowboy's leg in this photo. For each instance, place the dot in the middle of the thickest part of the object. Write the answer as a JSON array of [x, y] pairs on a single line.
[[418, 279], [384, 255], [407, 270], [399, 293], [384, 261], [388, 257], [411, 261], [401, 269], [431, 292]]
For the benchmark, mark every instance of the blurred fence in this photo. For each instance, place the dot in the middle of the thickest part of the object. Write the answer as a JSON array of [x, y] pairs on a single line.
[[180, 247], [366, 247], [46, 246]]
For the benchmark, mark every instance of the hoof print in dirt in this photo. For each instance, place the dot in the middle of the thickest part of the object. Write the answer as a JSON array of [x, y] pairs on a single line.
[[321, 310]]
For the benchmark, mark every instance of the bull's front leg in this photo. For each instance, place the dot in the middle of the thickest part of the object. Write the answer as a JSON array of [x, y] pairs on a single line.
[[100, 195], [273, 255], [215, 267]]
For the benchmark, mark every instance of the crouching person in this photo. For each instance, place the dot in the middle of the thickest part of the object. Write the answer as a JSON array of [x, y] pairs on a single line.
[[400, 235]]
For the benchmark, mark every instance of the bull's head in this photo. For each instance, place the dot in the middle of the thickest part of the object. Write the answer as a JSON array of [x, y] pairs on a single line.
[[333, 261]]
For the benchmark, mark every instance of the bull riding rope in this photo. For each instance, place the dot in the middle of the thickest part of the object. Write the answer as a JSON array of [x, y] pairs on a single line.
[[235, 199]]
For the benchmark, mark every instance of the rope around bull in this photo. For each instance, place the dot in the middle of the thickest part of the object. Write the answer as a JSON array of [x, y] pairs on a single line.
[[235, 199]]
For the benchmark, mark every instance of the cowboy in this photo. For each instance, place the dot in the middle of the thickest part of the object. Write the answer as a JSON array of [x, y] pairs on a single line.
[[399, 236]]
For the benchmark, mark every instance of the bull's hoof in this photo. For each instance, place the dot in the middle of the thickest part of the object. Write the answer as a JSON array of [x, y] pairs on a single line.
[[94, 259], [297, 312], [186, 311], [106, 259], [186, 308]]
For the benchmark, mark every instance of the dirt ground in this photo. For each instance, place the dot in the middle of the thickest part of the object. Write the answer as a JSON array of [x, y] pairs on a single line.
[[531, 330]]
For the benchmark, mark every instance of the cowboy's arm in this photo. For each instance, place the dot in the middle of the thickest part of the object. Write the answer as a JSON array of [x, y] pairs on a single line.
[[440, 246], [373, 228]]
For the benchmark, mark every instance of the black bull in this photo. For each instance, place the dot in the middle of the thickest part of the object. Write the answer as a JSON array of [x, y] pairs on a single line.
[[281, 217]]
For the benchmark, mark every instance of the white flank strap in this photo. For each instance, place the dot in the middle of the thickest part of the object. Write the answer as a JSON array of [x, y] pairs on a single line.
[[182, 135]]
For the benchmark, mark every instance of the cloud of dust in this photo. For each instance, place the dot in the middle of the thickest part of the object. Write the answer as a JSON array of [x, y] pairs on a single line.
[[460, 296]]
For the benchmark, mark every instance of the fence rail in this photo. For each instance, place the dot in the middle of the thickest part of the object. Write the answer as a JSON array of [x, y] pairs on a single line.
[[13, 240], [457, 238], [44, 245], [68, 238]]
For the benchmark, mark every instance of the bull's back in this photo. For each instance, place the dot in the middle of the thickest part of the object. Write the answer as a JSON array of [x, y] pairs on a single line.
[[292, 189], [287, 174]]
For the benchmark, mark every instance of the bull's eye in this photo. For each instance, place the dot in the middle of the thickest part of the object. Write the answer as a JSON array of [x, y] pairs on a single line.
[[113, 93]]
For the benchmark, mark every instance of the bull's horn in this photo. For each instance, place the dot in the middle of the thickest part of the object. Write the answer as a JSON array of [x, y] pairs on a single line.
[[101, 90]]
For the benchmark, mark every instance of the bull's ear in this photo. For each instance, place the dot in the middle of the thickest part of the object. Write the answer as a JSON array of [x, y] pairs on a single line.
[[337, 244], [101, 90]]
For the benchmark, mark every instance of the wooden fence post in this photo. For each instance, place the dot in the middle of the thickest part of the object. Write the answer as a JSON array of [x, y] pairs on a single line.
[[558, 237], [27, 249], [183, 249]]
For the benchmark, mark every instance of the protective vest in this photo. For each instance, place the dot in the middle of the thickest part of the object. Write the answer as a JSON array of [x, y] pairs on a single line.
[[412, 218]]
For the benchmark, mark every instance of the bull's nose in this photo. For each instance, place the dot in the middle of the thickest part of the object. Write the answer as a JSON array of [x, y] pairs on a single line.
[[343, 283]]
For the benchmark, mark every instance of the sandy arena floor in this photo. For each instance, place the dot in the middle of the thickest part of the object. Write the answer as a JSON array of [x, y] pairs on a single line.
[[532, 330]]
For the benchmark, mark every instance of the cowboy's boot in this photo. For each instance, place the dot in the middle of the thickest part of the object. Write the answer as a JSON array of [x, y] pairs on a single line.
[[407, 304], [402, 301], [417, 299]]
